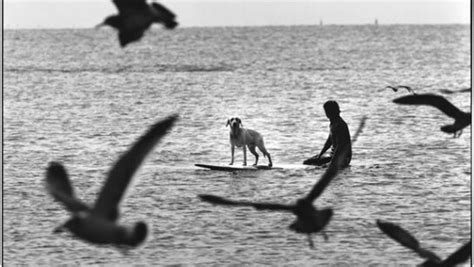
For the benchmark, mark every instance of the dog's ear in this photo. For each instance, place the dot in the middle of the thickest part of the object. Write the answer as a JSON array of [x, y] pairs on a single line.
[[228, 122]]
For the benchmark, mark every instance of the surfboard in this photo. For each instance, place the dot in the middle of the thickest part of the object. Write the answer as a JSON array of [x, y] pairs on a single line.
[[237, 168]]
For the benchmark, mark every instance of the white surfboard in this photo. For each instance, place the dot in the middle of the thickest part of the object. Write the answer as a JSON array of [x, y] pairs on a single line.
[[236, 167], [254, 168]]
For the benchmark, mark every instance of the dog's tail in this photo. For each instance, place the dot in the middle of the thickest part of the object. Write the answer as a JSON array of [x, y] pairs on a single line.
[[263, 149]]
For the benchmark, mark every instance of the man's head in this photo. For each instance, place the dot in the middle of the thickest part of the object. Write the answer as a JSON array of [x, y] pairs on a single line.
[[331, 108]]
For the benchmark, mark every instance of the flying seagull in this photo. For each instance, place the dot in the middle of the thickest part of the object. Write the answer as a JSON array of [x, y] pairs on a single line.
[[403, 237], [461, 119], [136, 16], [98, 224], [396, 88], [309, 219]]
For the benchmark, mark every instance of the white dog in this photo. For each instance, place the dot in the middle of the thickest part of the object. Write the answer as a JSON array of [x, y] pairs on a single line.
[[242, 137]]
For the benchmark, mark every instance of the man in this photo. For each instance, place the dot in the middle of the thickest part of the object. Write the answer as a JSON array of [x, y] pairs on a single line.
[[339, 138]]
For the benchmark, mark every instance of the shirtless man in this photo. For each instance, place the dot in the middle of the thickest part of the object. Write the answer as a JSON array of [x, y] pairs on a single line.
[[339, 137]]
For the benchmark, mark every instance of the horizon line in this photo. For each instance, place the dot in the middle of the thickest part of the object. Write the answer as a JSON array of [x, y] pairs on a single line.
[[268, 25]]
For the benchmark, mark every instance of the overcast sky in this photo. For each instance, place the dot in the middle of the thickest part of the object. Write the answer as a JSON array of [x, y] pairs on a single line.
[[88, 13]]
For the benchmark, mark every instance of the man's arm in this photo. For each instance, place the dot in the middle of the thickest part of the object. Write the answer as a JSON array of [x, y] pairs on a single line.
[[326, 146]]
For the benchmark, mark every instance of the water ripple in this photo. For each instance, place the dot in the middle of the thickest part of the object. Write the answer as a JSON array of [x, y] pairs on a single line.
[[74, 97]]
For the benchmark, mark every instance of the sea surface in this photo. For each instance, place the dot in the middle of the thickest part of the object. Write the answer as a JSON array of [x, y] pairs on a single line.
[[76, 97]]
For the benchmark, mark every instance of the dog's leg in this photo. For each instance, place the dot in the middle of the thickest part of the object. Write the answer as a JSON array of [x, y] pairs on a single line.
[[245, 154], [232, 149], [252, 150], [262, 148]]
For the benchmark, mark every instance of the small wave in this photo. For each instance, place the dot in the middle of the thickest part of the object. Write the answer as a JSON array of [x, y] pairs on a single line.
[[319, 68], [155, 68], [193, 68], [72, 70]]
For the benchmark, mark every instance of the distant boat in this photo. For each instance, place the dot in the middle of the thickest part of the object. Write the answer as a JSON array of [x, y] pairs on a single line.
[[376, 22]]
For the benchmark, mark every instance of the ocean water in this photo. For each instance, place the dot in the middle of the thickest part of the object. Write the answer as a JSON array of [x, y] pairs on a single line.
[[74, 96]]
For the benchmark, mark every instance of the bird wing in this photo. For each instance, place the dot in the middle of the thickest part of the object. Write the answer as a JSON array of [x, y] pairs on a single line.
[[323, 182], [461, 255], [259, 206], [408, 88], [447, 91], [395, 89], [121, 173], [126, 6], [60, 187], [328, 175], [432, 100], [359, 129], [407, 240], [162, 11], [164, 15], [399, 234]]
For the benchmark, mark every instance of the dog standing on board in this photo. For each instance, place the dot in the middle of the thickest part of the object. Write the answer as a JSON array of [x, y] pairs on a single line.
[[241, 137]]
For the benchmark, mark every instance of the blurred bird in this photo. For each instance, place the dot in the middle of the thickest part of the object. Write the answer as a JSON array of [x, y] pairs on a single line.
[[461, 119], [135, 17], [403, 237], [309, 219], [98, 224], [396, 88]]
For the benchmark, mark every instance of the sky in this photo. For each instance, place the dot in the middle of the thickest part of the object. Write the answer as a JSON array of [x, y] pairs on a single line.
[[202, 13]]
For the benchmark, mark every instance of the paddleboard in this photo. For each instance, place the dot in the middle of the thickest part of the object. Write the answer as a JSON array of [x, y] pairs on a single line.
[[237, 168]]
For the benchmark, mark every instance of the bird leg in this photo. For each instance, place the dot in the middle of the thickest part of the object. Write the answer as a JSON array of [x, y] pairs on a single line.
[[310, 241]]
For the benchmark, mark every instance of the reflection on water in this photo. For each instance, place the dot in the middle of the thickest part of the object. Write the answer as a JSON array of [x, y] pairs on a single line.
[[84, 101]]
